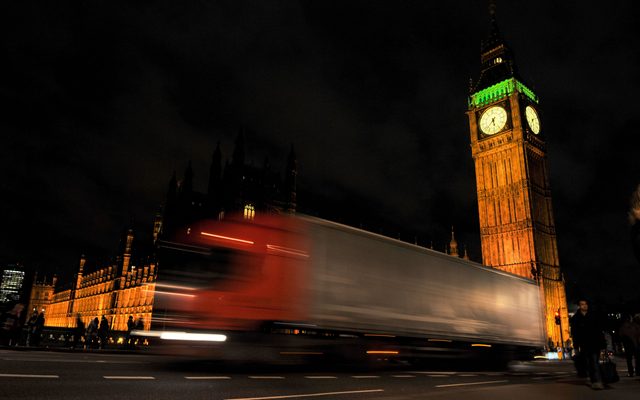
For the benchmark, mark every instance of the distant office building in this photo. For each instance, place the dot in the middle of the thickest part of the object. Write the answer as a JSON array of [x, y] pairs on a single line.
[[11, 286]]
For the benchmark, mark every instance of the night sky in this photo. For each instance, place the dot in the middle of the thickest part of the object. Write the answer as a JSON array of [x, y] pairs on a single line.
[[104, 100]]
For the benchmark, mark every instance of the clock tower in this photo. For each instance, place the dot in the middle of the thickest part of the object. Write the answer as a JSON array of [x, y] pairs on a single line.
[[508, 146]]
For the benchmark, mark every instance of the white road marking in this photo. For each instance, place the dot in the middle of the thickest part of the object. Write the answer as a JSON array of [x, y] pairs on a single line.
[[321, 377], [291, 396], [28, 376], [365, 376], [58, 360], [439, 376], [403, 376], [128, 377], [265, 377], [206, 377], [468, 375], [471, 383], [433, 372]]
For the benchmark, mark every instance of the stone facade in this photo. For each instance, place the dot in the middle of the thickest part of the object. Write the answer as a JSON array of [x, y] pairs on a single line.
[[116, 291], [517, 227]]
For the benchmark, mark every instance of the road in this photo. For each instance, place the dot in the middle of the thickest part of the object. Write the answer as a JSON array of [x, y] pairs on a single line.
[[80, 375]]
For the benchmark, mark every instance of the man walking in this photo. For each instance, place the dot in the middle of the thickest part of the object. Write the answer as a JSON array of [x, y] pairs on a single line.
[[588, 339]]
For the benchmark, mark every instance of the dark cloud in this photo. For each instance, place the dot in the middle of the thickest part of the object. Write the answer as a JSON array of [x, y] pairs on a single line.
[[107, 100]]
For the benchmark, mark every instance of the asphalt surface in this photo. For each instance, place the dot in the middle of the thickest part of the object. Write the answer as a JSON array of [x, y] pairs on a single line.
[[81, 375]]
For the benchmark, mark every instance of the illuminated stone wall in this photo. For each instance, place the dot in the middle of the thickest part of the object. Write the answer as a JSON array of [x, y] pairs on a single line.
[[98, 294], [58, 310], [117, 292], [41, 295]]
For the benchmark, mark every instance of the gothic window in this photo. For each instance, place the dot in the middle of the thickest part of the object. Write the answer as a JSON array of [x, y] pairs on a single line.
[[249, 211]]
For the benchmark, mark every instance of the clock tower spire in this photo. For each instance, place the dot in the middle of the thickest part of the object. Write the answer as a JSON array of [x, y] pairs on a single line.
[[517, 228]]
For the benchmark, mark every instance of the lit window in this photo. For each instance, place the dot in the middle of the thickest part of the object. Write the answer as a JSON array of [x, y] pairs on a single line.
[[249, 211], [498, 60]]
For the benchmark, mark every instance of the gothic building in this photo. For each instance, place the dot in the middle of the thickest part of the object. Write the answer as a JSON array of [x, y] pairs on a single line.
[[236, 188], [508, 144], [118, 290], [125, 287]]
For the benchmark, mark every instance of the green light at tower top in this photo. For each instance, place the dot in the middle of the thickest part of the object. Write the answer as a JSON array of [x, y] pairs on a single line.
[[500, 90]]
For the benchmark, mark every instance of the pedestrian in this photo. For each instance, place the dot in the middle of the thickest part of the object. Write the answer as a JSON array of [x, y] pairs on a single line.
[[588, 339], [79, 331], [139, 330], [36, 333], [30, 325], [10, 326], [103, 332], [131, 325], [91, 336], [140, 324], [630, 335]]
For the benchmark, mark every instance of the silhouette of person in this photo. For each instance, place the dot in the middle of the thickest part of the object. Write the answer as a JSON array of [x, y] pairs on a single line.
[[37, 330], [131, 325], [11, 325], [91, 336], [78, 331], [103, 332], [630, 335], [588, 339]]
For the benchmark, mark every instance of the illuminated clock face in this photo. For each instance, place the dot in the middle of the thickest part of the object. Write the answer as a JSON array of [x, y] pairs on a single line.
[[532, 119], [493, 120]]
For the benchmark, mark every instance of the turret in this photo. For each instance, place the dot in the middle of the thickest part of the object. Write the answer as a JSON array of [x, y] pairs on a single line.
[[83, 260], [215, 174], [237, 160], [126, 255], [157, 226], [290, 179], [187, 183], [170, 205], [453, 245], [496, 57]]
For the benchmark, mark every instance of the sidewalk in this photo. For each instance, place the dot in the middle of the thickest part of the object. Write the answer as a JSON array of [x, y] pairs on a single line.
[[67, 349]]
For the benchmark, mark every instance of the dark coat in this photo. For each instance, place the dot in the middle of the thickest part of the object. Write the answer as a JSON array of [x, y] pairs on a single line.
[[104, 327], [630, 334], [79, 327], [39, 323], [586, 331]]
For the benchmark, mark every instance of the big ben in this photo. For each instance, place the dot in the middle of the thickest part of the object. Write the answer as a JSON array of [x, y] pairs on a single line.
[[508, 146]]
